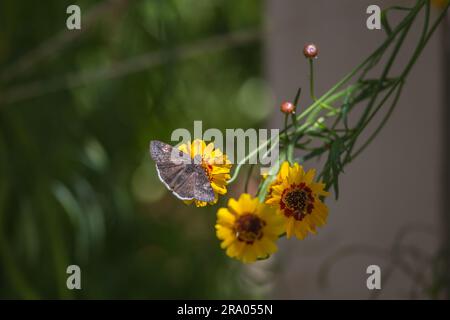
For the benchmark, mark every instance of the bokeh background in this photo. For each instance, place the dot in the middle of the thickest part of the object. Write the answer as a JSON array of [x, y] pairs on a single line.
[[77, 186]]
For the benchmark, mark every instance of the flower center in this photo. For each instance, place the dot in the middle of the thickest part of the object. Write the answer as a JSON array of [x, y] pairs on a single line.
[[297, 201], [249, 228]]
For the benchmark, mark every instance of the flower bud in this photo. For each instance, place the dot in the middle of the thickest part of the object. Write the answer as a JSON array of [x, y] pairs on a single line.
[[287, 107], [310, 50]]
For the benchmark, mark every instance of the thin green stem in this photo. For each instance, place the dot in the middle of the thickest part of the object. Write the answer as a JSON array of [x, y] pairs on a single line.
[[311, 79], [297, 98], [286, 136], [425, 36], [362, 122], [382, 124], [333, 94]]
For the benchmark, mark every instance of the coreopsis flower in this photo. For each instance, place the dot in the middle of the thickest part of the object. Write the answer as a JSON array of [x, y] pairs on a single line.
[[296, 197], [214, 162], [248, 229]]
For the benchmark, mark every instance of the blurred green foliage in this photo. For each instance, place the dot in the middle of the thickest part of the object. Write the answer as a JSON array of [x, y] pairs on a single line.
[[76, 183]]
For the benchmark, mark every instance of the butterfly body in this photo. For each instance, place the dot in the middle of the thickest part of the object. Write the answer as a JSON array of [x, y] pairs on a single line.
[[181, 174]]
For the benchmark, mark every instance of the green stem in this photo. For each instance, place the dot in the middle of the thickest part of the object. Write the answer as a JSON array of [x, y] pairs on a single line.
[[383, 122], [311, 79], [374, 97], [286, 136], [332, 95], [425, 36]]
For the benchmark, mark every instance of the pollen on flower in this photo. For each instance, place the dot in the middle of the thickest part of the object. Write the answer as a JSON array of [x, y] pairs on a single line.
[[249, 228], [297, 201]]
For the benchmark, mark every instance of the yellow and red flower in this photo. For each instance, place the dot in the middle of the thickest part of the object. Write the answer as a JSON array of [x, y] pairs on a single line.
[[296, 197]]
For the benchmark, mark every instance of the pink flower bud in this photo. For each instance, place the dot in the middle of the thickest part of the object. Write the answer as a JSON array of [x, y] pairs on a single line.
[[287, 107], [310, 50]]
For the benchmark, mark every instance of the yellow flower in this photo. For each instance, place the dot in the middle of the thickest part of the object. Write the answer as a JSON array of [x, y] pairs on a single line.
[[296, 197], [214, 162], [248, 229]]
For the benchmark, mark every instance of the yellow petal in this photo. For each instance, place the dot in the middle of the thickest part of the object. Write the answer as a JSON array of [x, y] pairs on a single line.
[[240, 248], [278, 189], [234, 206], [290, 226], [220, 170], [296, 175], [259, 250], [318, 188], [223, 233], [249, 255], [248, 204], [300, 231], [233, 250], [309, 176], [218, 188], [197, 148], [225, 217], [284, 170], [227, 242], [273, 200], [268, 246]]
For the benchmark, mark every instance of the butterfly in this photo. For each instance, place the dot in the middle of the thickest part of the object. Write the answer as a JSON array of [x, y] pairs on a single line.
[[181, 174]]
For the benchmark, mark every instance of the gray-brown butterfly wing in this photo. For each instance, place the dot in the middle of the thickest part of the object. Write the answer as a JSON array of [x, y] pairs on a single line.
[[203, 190], [175, 169], [163, 153]]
